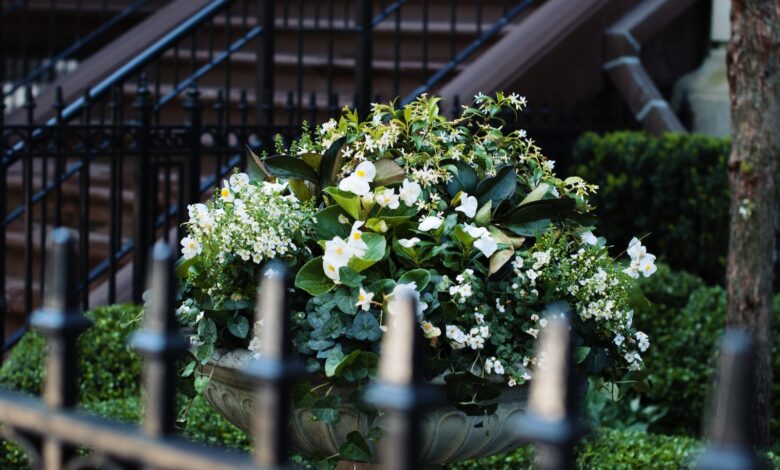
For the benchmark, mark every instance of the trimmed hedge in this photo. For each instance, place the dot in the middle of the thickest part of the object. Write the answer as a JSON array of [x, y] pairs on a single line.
[[674, 187]]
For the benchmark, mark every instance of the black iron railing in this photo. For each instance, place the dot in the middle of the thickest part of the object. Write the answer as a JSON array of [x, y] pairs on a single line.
[[53, 430]]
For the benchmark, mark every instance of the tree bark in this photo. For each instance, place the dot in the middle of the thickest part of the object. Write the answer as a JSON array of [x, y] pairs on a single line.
[[754, 79]]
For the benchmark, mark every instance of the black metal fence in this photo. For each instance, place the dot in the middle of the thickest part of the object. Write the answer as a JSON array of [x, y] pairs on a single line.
[[51, 430]]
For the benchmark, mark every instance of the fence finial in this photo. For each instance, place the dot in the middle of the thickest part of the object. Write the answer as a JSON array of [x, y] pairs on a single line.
[[551, 421], [160, 343], [729, 429], [275, 369], [401, 390]]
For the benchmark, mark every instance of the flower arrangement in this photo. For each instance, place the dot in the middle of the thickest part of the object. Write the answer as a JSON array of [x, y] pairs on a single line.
[[467, 216]]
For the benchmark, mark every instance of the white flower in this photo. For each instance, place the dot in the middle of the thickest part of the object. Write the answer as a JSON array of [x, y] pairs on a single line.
[[542, 258], [643, 340], [533, 332], [548, 165], [479, 318], [190, 247], [589, 238], [476, 232], [408, 242], [357, 182], [647, 266], [487, 245], [468, 205], [430, 331], [238, 181], [512, 382], [328, 126], [498, 368], [489, 363], [409, 192], [641, 261], [355, 242], [619, 339], [475, 342], [338, 251], [430, 222], [454, 333], [331, 269], [225, 193], [401, 290], [364, 299], [635, 249], [387, 198], [499, 307], [272, 188]]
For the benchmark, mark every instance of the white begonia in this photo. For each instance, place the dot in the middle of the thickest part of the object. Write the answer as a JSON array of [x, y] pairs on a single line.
[[272, 188], [483, 241], [619, 339], [408, 242], [190, 247], [387, 198], [475, 342], [641, 261], [498, 368], [643, 341], [468, 205], [430, 222], [332, 270], [225, 193], [238, 181], [401, 290], [512, 382], [358, 181], [356, 242], [409, 192], [364, 299], [455, 334], [489, 363], [328, 126], [338, 251], [589, 238], [430, 331], [479, 318]]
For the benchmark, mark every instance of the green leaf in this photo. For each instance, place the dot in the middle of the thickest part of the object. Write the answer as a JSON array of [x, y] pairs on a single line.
[[530, 229], [314, 160], [388, 172], [499, 187], [312, 278], [300, 189], [183, 266], [207, 330], [482, 217], [346, 301], [255, 168], [637, 299], [189, 369], [537, 194], [464, 178], [345, 362], [325, 409], [289, 167], [349, 277], [328, 225], [462, 236], [556, 209], [201, 382], [334, 359], [499, 259], [238, 326], [355, 448], [580, 354], [366, 327], [348, 201], [420, 277], [376, 251]]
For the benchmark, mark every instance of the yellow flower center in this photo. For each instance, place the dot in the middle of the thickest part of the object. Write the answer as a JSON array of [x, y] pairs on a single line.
[[340, 250], [225, 192], [357, 235], [331, 268], [191, 244], [361, 297], [360, 173]]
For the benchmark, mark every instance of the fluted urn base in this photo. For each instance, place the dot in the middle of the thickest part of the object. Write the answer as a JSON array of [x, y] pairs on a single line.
[[449, 435]]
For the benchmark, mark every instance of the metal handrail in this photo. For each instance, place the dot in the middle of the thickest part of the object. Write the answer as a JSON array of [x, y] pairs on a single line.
[[76, 46]]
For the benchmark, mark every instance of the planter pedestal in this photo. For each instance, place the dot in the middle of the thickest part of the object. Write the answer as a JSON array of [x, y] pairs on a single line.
[[449, 435]]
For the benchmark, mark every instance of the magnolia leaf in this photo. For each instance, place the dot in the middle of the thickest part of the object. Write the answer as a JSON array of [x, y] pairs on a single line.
[[388, 172], [332, 160], [517, 242], [328, 224], [464, 178], [497, 188], [499, 235], [312, 278], [537, 194], [421, 278], [348, 201], [499, 259], [289, 167], [530, 229], [544, 209], [314, 160], [255, 168], [482, 217], [300, 189]]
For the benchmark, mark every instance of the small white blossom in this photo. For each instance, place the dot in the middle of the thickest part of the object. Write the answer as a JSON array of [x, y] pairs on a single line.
[[468, 205], [358, 182], [364, 299], [190, 247], [430, 223], [408, 242], [409, 192]]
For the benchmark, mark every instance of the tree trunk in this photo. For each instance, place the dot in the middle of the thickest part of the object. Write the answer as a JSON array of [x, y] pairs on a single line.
[[754, 79]]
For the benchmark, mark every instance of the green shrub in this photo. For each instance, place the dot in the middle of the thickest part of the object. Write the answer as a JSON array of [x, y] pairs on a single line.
[[108, 368], [674, 187]]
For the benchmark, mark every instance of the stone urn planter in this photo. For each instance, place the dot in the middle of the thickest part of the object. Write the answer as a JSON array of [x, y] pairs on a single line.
[[449, 435]]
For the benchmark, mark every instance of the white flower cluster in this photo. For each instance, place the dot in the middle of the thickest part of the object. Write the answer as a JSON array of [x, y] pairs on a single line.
[[462, 290], [641, 261], [338, 252], [494, 366], [252, 221], [475, 339], [483, 241]]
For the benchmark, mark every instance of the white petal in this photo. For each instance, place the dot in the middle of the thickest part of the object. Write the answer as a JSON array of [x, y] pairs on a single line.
[[354, 185], [430, 223], [468, 206], [487, 245]]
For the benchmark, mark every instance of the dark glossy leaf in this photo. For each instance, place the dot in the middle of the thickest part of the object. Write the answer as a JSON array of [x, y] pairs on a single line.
[[332, 160], [312, 278], [464, 178], [420, 277], [555, 209], [348, 201], [366, 327], [497, 188], [388, 172], [328, 225], [238, 326], [529, 229], [289, 167], [355, 448], [325, 409], [349, 277]]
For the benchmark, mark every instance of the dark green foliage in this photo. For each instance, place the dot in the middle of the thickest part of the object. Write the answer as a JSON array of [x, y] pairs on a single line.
[[674, 187], [108, 367]]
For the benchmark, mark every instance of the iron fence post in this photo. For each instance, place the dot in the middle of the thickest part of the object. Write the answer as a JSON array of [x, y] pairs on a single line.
[[142, 204], [274, 371], [363, 56], [194, 109], [729, 428], [61, 321], [264, 66], [3, 184], [27, 169], [160, 343]]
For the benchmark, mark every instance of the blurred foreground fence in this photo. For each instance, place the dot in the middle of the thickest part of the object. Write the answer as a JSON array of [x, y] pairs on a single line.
[[51, 430]]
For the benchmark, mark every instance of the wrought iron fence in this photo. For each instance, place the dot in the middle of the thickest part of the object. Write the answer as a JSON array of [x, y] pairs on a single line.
[[51, 430]]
